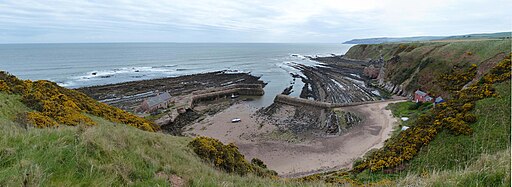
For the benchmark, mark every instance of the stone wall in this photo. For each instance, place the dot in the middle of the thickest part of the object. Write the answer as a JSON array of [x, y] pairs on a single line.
[[299, 102]]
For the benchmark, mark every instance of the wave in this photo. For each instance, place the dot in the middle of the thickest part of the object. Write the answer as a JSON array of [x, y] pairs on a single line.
[[132, 71], [299, 56], [165, 66]]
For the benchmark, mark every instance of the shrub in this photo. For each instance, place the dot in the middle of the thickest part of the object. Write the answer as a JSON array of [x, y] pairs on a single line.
[[4, 87], [469, 118], [66, 106], [468, 106], [457, 77], [258, 162], [500, 72], [452, 115], [415, 106], [227, 157], [39, 120]]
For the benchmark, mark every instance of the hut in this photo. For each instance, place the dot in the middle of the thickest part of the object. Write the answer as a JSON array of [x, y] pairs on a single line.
[[151, 104], [420, 96], [438, 100]]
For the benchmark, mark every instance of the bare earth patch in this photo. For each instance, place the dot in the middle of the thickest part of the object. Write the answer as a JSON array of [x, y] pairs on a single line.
[[174, 180]]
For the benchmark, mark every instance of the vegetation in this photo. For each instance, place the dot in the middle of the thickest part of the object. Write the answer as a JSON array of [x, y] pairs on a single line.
[[452, 115], [443, 142], [408, 108], [416, 65], [486, 170], [228, 158], [107, 154], [457, 143], [53, 105], [491, 134]]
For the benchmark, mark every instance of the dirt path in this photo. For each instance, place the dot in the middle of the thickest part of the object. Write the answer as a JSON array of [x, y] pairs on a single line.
[[299, 159]]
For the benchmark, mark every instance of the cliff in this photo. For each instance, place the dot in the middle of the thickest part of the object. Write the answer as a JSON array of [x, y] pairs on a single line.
[[405, 67]]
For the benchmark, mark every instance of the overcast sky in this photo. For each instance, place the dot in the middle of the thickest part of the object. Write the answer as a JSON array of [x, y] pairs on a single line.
[[331, 21]]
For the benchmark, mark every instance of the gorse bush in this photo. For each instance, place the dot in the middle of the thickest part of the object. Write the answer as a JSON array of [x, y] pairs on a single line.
[[453, 115], [227, 157], [55, 105], [40, 120], [457, 78]]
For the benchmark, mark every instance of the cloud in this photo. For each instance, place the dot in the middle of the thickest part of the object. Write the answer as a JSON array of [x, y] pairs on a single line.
[[244, 21]]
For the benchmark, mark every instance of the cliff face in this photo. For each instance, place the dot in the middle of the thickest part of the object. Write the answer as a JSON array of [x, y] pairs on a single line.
[[405, 67]]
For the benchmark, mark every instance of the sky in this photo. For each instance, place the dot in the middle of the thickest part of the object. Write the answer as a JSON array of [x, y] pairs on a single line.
[[322, 21]]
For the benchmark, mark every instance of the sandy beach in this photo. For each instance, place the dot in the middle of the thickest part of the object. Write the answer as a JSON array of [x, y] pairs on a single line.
[[298, 158]]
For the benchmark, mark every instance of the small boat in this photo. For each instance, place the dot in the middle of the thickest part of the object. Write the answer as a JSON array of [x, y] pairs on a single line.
[[235, 120], [233, 96]]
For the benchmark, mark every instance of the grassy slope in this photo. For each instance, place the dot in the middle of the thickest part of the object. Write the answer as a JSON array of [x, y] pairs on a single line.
[[403, 109], [491, 134], [102, 155], [482, 158], [481, 49], [432, 59], [487, 170]]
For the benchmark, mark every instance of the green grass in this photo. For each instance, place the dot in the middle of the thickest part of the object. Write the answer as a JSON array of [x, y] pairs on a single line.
[[10, 106], [118, 155], [105, 155], [407, 109], [491, 135], [487, 170], [403, 109], [429, 59], [481, 159]]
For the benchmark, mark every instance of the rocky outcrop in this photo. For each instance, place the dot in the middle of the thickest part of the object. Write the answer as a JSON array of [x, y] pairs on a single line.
[[371, 72], [407, 67]]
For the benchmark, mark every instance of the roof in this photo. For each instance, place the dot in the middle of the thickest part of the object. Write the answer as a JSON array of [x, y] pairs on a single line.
[[419, 92], [428, 98], [160, 98], [439, 99]]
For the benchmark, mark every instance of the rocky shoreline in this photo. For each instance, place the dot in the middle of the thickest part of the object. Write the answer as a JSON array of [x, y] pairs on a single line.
[[294, 128], [335, 80], [129, 95]]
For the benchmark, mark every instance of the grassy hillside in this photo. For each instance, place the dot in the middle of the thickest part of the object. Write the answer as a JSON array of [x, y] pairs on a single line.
[[454, 138], [482, 49], [487, 170], [417, 65], [483, 36], [491, 134], [103, 155], [481, 158]]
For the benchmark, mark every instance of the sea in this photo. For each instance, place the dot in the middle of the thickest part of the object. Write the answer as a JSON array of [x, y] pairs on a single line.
[[90, 64]]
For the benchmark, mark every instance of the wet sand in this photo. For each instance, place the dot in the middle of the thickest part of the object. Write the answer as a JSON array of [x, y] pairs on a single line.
[[315, 155]]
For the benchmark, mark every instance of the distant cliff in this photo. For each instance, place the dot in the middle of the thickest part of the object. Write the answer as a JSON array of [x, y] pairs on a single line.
[[499, 35], [405, 67]]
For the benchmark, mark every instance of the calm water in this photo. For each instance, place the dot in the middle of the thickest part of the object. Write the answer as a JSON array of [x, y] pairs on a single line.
[[78, 65]]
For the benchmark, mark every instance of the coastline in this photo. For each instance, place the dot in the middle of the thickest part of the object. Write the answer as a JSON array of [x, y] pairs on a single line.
[[296, 159], [260, 135], [129, 95]]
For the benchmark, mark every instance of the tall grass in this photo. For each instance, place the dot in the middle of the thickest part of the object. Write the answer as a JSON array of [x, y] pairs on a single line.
[[487, 170], [105, 155]]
